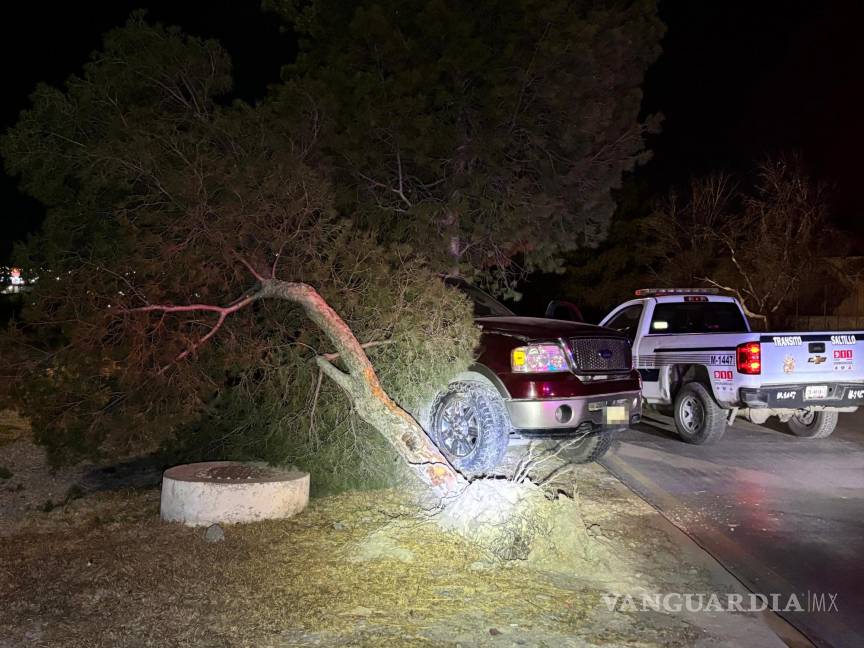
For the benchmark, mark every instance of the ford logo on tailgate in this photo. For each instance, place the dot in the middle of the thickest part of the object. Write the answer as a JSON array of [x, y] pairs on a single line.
[[606, 354]]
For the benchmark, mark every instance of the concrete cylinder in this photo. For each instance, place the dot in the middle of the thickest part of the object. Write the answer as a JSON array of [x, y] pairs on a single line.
[[231, 492]]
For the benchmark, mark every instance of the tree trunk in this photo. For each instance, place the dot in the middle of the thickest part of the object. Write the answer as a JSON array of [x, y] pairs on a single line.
[[370, 401]]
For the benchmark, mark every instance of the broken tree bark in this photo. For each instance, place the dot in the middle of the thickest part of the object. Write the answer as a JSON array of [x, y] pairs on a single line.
[[360, 381]]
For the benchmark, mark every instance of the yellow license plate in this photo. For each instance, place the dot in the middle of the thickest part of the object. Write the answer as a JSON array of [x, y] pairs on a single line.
[[616, 414]]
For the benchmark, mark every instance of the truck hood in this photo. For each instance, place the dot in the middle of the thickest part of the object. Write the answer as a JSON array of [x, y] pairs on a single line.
[[538, 328]]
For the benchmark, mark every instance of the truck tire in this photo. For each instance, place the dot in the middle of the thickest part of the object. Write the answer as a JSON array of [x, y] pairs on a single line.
[[591, 448], [470, 425], [813, 425], [698, 417]]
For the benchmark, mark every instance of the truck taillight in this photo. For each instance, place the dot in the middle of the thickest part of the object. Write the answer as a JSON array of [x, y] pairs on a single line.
[[750, 358]]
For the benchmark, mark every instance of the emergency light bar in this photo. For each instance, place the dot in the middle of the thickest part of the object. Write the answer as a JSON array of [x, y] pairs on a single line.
[[657, 292]]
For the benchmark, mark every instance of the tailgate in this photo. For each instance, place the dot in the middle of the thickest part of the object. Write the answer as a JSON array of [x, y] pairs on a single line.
[[812, 357]]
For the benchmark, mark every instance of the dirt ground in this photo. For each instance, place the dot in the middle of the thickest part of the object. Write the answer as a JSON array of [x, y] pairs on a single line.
[[359, 569]]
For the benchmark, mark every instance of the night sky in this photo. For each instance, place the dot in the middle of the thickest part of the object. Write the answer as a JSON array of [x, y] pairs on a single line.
[[736, 81]]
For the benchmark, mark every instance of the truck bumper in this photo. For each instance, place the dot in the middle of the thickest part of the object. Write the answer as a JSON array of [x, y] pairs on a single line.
[[562, 415], [840, 395]]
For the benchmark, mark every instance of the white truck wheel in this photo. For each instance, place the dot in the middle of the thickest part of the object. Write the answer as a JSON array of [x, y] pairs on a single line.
[[810, 424], [698, 417]]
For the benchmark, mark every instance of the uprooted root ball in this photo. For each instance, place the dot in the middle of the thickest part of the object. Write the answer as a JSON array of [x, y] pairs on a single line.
[[516, 521]]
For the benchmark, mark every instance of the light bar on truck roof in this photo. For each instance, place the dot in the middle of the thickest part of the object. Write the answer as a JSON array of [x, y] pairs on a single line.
[[658, 292]]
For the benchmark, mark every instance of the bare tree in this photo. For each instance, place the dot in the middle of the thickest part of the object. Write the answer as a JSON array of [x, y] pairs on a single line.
[[759, 245], [773, 241], [685, 227]]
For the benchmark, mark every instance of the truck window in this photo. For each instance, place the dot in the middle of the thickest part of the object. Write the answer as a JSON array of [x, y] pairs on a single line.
[[627, 321], [698, 317], [484, 305]]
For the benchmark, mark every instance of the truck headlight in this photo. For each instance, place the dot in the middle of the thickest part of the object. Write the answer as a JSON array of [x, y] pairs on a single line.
[[538, 358]]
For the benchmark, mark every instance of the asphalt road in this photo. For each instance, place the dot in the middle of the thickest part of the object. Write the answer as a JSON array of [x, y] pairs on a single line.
[[784, 515]]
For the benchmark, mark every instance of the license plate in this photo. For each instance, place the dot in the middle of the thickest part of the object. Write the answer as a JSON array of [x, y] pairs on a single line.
[[616, 414], [814, 392]]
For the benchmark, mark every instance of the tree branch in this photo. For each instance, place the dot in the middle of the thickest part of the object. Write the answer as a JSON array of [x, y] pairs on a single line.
[[366, 345], [224, 312], [249, 267], [740, 297], [360, 382], [335, 374]]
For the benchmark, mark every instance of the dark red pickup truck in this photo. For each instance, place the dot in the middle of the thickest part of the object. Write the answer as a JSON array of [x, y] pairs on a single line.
[[534, 377]]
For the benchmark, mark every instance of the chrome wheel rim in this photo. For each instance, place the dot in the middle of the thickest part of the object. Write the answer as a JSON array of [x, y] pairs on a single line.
[[458, 430], [692, 414]]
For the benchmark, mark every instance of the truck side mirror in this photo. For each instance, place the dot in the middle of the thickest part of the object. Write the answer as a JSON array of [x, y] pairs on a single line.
[[564, 310]]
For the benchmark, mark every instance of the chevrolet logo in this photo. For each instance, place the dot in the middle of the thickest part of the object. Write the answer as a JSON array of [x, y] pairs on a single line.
[[817, 359]]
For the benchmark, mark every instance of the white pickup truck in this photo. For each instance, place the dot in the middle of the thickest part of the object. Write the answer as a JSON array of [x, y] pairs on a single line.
[[696, 353]]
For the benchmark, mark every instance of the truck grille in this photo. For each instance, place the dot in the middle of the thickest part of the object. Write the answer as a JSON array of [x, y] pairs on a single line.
[[601, 355]]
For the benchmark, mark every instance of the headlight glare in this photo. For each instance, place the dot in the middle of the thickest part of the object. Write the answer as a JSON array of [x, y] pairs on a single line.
[[538, 358]]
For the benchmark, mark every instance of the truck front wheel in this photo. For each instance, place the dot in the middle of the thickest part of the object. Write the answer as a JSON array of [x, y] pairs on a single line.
[[470, 426], [812, 425], [698, 418]]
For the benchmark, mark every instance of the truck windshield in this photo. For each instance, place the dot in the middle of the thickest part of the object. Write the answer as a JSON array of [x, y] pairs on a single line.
[[484, 305], [698, 317]]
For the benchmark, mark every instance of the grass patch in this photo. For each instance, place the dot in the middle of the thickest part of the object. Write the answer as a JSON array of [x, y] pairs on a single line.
[[73, 493], [5, 473], [103, 570], [289, 580], [12, 426]]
